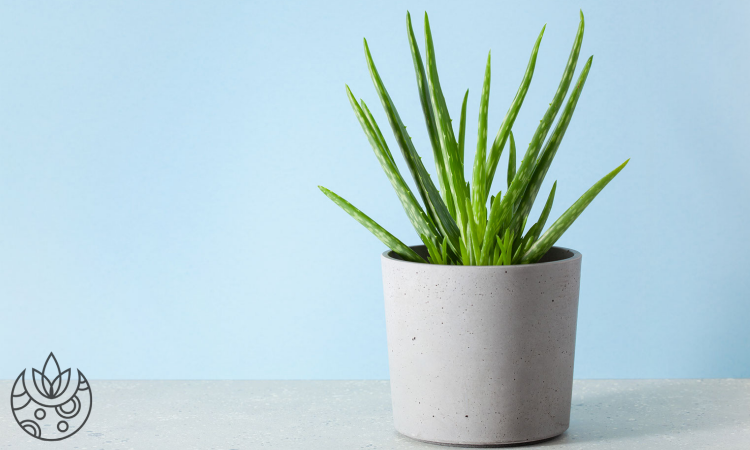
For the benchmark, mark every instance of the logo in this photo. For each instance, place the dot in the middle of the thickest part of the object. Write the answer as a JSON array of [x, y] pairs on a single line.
[[51, 406]]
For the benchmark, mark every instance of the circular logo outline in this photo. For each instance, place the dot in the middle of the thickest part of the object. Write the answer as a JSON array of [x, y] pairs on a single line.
[[52, 391]]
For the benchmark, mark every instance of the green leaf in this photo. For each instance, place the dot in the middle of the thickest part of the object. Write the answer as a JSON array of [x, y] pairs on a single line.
[[535, 229], [473, 239], [436, 207], [465, 258], [512, 160], [550, 149], [496, 253], [445, 132], [421, 222], [429, 118], [385, 237], [478, 192], [525, 244], [434, 256], [523, 205], [505, 245], [375, 127], [545, 211], [556, 230], [562, 89], [462, 129], [505, 213], [467, 240], [510, 117], [508, 250]]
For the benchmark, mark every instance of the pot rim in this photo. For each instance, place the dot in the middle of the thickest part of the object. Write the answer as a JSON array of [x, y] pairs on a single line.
[[576, 255]]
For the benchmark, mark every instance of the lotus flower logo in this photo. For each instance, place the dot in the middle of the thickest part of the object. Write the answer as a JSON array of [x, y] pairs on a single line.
[[52, 409]]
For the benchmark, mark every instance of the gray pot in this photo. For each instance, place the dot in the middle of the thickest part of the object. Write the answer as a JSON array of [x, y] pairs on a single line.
[[482, 355]]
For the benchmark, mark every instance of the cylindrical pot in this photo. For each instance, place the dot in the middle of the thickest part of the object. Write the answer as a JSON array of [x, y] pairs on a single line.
[[482, 355]]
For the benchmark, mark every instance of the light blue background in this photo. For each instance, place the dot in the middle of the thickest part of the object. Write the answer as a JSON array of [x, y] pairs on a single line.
[[159, 216]]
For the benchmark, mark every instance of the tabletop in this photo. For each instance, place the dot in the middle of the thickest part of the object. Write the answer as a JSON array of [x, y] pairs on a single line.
[[311, 415]]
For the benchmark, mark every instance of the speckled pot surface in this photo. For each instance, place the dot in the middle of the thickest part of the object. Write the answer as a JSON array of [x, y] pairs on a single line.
[[482, 356]]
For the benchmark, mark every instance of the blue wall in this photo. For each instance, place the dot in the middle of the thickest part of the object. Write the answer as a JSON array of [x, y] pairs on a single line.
[[159, 216]]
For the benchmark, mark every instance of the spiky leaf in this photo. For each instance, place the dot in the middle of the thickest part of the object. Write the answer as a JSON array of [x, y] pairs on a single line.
[[381, 233], [556, 230]]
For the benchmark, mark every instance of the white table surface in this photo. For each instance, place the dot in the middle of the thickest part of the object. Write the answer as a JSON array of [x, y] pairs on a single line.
[[311, 415]]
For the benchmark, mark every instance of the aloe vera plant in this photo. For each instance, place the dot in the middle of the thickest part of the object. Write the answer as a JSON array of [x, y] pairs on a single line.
[[460, 223]]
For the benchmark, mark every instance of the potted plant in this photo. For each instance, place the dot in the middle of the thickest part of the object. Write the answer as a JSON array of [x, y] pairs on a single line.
[[481, 319]]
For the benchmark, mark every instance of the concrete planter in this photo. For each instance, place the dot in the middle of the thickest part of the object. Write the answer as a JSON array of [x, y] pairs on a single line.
[[482, 355]]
